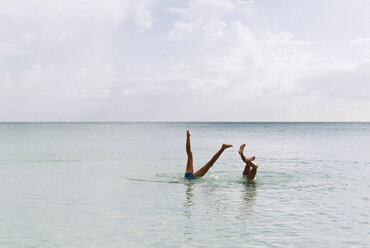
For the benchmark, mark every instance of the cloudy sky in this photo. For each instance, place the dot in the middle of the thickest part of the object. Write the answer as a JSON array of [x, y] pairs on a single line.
[[198, 60]]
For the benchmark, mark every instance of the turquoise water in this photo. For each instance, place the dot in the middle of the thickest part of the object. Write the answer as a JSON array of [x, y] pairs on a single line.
[[121, 185]]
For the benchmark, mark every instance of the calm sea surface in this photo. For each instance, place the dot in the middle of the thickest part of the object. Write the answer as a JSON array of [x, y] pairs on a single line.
[[121, 185]]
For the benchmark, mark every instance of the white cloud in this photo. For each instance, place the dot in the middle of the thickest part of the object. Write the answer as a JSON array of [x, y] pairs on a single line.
[[367, 52], [10, 49], [205, 10], [199, 13], [271, 72], [55, 35], [51, 82], [73, 61], [181, 29], [34, 24], [245, 2], [359, 41], [143, 17], [285, 38]]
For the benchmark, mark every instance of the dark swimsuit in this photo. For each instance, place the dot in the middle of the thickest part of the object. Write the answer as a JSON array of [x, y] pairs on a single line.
[[190, 175]]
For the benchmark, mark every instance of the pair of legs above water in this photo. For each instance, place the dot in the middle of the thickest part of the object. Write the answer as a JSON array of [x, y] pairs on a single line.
[[202, 171], [190, 174], [248, 173]]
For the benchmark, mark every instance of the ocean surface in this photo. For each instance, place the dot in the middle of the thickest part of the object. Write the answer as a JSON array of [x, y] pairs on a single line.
[[122, 185]]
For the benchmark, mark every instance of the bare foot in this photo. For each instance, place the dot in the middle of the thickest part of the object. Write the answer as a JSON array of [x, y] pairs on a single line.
[[241, 149], [188, 132], [225, 146], [251, 158]]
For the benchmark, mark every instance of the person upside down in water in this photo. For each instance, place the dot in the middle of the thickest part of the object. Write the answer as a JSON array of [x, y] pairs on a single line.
[[248, 173], [202, 171]]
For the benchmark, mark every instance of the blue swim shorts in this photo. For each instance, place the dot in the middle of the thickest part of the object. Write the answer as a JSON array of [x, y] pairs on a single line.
[[190, 175]]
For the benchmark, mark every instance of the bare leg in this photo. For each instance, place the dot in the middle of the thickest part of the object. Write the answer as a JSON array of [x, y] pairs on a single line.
[[253, 172], [250, 174], [246, 160], [247, 170], [189, 165], [202, 171]]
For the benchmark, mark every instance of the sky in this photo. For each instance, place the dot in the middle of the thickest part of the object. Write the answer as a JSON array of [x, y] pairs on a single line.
[[197, 60]]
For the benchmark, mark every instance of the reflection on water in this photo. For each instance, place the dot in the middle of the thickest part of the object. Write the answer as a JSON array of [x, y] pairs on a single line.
[[214, 197], [211, 204], [188, 205], [248, 199]]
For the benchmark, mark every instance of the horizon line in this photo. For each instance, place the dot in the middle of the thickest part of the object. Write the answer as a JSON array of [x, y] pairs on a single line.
[[9, 122]]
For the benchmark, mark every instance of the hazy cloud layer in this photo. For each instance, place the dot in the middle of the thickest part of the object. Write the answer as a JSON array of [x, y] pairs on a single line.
[[165, 61]]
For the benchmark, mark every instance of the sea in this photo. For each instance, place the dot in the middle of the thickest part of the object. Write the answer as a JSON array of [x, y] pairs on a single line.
[[122, 185]]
